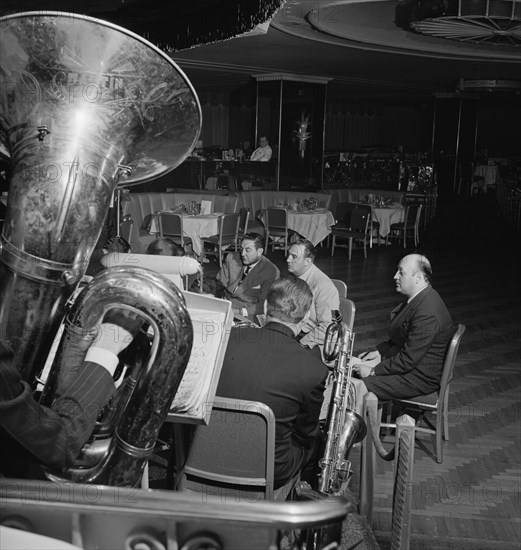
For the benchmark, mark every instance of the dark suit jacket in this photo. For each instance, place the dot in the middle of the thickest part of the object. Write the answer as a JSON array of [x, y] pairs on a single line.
[[418, 340], [270, 366], [252, 291], [31, 434]]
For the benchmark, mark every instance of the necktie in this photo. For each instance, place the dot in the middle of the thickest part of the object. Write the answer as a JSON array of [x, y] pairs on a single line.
[[398, 309], [244, 273]]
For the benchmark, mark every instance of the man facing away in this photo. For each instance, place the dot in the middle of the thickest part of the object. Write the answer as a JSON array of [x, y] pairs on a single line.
[[410, 363], [269, 365], [263, 152], [246, 276], [300, 262]]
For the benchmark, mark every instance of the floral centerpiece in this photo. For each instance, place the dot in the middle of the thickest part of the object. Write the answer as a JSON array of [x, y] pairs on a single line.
[[302, 133]]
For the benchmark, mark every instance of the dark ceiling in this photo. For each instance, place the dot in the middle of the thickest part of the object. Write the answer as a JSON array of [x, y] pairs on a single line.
[[355, 43]]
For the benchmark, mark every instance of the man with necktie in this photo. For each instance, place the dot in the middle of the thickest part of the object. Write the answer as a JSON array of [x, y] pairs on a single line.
[[410, 363], [246, 276]]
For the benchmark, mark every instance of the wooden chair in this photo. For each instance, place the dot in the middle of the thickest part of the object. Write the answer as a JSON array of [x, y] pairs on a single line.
[[410, 225], [341, 287], [235, 452], [437, 402], [357, 230], [227, 236], [171, 225], [276, 224]]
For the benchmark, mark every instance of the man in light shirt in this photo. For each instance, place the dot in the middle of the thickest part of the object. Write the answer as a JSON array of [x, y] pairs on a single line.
[[300, 262], [263, 152], [410, 363]]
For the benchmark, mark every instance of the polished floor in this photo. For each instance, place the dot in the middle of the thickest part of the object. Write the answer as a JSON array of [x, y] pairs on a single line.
[[473, 499]]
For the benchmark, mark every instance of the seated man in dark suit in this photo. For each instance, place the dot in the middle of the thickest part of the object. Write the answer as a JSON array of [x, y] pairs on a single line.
[[410, 363], [245, 276], [269, 365]]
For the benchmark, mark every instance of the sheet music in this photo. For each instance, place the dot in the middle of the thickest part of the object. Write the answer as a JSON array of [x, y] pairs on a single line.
[[208, 333]]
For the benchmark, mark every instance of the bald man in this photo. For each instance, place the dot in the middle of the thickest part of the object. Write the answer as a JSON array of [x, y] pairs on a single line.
[[410, 363]]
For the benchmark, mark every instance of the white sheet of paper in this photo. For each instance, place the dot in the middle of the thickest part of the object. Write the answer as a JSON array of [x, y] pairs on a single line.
[[206, 207]]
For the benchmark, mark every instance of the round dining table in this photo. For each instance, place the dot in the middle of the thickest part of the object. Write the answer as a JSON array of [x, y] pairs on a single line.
[[489, 173], [386, 216], [196, 227], [313, 225]]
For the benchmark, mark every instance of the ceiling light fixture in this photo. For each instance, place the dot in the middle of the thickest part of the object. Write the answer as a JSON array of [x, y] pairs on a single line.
[[488, 22]]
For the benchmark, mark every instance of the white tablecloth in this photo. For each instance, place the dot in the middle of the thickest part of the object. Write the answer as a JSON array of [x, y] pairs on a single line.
[[489, 173], [195, 227], [386, 216], [314, 225]]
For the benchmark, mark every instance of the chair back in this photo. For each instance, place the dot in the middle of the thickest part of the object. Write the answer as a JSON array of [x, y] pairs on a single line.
[[412, 213], [229, 228], [341, 287], [348, 310], [450, 361], [343, 213], [418, 215], [276, 218], [244, 218], [170, 225], [237, 448], [360, 218]]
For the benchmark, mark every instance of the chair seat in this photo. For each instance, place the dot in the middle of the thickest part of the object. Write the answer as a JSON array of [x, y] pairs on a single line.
[[339, 227], [215, 239], [351, 234]]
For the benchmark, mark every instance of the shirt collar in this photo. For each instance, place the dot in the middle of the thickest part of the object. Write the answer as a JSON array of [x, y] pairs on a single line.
[[416, 294], [251, 266]]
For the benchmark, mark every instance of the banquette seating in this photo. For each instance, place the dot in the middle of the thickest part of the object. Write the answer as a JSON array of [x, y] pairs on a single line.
[[142, 206]]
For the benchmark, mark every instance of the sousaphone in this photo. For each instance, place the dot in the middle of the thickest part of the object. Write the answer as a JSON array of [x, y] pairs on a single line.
[[85, 107]]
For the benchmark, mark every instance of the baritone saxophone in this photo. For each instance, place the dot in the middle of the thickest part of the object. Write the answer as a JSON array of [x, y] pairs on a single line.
[[344, 427]]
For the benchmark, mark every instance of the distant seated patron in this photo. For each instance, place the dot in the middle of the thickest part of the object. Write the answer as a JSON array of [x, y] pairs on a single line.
[[246, 276], [270, 366], [263, 152]]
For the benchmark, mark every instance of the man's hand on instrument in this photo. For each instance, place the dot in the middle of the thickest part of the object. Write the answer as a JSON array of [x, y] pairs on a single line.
[[370, 356], [117, 331], [363, 371]]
